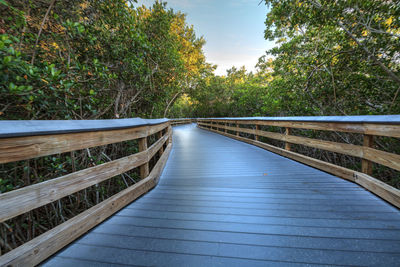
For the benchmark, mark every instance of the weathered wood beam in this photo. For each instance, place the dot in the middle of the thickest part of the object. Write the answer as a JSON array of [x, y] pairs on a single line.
[[30, 197], [22, 148], [386, 192], [45, 245]]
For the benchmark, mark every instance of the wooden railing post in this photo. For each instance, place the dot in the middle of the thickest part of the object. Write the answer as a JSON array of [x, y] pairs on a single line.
[[287, 144], [366, 165], [160, 135], [169, 131], [225, 127], [23, 200], [368, 153], [144, 169], [256, 137]]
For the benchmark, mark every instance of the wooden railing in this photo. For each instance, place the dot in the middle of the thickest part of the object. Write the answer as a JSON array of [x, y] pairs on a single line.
[[22, 140], [369, 126], [182, 121]]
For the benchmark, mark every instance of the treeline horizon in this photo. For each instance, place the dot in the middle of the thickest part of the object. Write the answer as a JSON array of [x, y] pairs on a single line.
[[331, 58], [115, 59]]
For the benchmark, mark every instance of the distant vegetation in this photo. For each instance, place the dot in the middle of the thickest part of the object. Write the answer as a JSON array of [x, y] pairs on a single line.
[[332, 58], [112, 59], [94, 59]]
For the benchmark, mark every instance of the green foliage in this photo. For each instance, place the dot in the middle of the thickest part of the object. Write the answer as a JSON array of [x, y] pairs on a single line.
[[336, 58], [331, 58], [94, 59], [110, 59]]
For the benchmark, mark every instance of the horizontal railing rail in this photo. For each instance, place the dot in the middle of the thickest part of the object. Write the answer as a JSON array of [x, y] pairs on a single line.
[[22, 140], [182, 121], [369, 126]]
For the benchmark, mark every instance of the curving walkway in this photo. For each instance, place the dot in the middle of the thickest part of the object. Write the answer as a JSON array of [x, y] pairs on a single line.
[[223, 202]]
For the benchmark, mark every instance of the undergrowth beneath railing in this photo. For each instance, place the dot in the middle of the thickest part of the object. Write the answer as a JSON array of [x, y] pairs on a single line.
[[23, 228]]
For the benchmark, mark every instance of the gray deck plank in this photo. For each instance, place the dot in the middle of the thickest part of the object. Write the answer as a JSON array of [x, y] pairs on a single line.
[[223, 202]]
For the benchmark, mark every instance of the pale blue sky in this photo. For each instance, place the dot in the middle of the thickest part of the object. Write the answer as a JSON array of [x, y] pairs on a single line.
[[233, 29]]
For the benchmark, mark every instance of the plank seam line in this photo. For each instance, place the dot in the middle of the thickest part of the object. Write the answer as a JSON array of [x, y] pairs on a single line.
[[242, 192], [147, 201], [288, 182], [297, 189], [255, 233], [269, 216], [166, 187], [270, 224], [242, 244], [272, 198], [221, 201], [351, 193], [317, 199], [205, 255], [318, 205], [87, 260]]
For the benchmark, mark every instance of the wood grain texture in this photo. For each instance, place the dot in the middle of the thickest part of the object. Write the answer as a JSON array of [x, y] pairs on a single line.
[[30, 197], [391, 130], [366, 165], [160, 135], [388, 193], [381, 157], [319, 164], [347, 149], [40, 248], [287, 133], [156, 128], [144, 169], [377, 187], [256, 136], [181, 121], [170, 137], [22, 148]]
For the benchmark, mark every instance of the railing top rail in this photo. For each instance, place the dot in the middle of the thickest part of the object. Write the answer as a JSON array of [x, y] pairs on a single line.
[[20, 128], [381, 119]]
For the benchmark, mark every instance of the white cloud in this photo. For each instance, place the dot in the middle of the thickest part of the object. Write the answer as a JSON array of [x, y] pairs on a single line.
[[233, 29]]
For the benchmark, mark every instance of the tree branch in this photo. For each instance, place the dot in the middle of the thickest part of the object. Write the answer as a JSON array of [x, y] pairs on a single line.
[[40, 30], [170, 102]]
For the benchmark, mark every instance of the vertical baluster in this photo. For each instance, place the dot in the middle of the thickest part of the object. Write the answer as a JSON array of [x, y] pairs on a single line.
[[366, 165], [287, 144], [144, 169], [170, 132], [160, 135], [256, 137]]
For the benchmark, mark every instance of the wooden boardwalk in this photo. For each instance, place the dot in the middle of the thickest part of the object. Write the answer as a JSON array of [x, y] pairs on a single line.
[[223, 202]]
